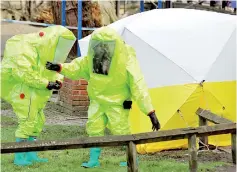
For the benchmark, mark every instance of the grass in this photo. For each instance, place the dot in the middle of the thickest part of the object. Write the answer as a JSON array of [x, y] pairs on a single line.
[[70, 160]]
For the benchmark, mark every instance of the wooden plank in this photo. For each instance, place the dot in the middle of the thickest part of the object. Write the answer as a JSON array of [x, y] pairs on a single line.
[[62, 144], [204, 139], [233, 147], [159, 136], [132, 157], [217, 129], [183, 133], [212, 117], [192, 148], [164, 135]]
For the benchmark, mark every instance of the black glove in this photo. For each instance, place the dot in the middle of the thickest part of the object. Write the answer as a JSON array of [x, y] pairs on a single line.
[[154, 121], [54, 85], [51, 66]]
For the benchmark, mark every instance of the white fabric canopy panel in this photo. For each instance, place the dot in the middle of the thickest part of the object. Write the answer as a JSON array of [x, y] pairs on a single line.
[[180, 45]]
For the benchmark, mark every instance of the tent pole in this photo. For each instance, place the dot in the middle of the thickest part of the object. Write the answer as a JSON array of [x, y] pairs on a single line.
[[79, 25]]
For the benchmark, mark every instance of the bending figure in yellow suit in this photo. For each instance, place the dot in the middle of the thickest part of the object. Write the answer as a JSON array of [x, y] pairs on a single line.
[[27, 84], [114, 79]]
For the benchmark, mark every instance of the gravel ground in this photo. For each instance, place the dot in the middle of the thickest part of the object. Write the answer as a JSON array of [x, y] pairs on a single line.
[[53, 117]]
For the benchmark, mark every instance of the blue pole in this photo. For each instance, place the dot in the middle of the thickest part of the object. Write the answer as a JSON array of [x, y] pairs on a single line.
[[79, 25], [63, 15], [159, 4], [233, 3], [141, 5]]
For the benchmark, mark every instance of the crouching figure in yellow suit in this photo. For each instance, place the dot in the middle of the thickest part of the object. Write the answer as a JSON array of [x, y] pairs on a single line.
[[27, 84]]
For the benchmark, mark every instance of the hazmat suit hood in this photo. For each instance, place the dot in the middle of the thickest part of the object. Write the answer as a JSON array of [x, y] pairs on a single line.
[[54, 44], [105, 52]]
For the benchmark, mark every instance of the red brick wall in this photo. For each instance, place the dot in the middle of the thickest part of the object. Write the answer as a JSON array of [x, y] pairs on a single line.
[[74, 97]]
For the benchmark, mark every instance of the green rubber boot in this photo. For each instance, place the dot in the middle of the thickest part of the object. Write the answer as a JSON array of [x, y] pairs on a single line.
[[94, 158], [20, 158], [32, 156]]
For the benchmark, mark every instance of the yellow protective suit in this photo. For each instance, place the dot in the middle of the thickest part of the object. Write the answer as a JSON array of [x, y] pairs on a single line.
[[107, 92], [24, 78]]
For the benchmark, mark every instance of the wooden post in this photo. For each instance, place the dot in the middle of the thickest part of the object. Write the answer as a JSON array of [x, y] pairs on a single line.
[[233, 147], [203, 139], [132, 157], [192, 153]]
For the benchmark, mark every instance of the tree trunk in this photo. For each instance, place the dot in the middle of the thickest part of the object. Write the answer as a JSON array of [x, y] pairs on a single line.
[[26, 10]]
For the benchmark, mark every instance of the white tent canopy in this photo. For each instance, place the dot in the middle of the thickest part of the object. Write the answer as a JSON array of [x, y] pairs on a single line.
[[180, 45]]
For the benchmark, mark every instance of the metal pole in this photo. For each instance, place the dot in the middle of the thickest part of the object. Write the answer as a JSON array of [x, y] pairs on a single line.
[[141, 5], [167, 4], [63, 15], [159, 4], [79, 25]]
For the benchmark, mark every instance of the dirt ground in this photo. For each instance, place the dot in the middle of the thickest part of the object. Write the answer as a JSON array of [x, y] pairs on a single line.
[[203, 156]]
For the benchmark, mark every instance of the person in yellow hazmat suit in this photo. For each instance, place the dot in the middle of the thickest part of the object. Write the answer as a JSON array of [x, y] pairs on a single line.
[[114, 79], [27, 84]]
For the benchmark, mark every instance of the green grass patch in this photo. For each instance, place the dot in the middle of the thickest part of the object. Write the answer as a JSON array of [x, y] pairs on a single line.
[[70, 160]]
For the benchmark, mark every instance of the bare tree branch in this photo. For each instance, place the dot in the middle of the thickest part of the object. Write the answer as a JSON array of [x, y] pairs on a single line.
[[41, 2]]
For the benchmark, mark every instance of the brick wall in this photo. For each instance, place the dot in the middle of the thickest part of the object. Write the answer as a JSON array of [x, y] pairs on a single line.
[[74, 98]]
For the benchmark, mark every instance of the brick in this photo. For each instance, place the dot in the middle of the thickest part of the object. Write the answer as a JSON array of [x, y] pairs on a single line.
[[76, 82], [83, 82], [66, 90], [76, 92], [80, 113], [67, 80], [79, 97], [67, 95], [83, 92], [79, 87], [83, 114], [68, 86], [81, 103], [66, 108], [67, 111], [80, 108], [62, 90], [70, 102], [66, 105]]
